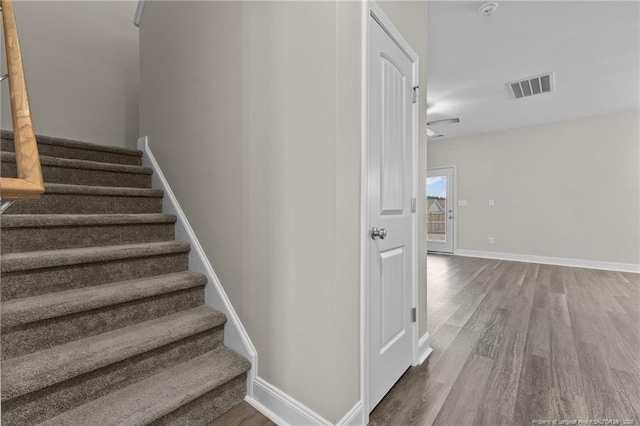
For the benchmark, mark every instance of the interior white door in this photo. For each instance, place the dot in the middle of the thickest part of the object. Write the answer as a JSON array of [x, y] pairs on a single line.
[[390, 191], [440, 210]]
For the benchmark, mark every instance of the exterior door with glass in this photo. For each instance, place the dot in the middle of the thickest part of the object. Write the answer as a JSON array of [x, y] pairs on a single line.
[[440, 210]]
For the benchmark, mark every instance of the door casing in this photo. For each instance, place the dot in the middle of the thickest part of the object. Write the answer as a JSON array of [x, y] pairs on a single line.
[[372, 10], [454, 203]]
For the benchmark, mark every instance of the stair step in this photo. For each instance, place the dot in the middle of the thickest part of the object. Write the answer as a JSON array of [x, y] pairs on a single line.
[[37, 308], [45, 368], [102, 322], [40, 322], [54, 258], [33, 273], [83, 172], [21, 233], [158, 396], [80, 199], [36, 407], [64, 148]]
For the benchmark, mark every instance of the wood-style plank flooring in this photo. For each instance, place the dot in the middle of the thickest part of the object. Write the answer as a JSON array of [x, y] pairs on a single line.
[[516, 342], [242, 414]]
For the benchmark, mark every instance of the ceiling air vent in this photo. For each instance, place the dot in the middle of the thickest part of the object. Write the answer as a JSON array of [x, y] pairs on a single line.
[[532, 86]]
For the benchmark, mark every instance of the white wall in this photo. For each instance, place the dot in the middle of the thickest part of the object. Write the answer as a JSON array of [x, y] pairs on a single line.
[[81, 64], [568, 189]]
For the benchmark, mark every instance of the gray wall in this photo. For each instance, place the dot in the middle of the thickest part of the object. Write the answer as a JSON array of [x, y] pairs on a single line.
[[81, 63], [568, 189], [259, 135]]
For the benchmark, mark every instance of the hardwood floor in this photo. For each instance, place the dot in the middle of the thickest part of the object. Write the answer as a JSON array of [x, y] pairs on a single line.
[[242, 414], [516, 342]]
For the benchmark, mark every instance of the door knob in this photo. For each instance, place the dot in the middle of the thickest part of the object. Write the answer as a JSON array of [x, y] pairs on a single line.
[[450, 217], [378, 233]]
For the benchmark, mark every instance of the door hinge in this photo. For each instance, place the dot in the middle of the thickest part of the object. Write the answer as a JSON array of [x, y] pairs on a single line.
[[414, 314], [414, 203], [414, 96]]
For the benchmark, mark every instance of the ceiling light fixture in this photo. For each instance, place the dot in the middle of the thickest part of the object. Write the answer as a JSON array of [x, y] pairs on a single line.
[[444, 121], [432, 133], [488, 9]]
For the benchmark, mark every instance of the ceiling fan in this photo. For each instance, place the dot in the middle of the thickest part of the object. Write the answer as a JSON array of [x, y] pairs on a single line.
[[432, 133]]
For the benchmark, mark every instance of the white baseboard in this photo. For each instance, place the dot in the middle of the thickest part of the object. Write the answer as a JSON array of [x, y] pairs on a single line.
[[281, 408], [424, 348], [354, 417], [284, 410], [235, 335], [561, 261]]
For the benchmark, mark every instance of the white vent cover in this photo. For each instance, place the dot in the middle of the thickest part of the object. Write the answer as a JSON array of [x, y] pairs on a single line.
[[532, 86]]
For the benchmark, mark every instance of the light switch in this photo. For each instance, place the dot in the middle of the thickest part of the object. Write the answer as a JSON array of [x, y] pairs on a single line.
[[491, 203], [462, 203]]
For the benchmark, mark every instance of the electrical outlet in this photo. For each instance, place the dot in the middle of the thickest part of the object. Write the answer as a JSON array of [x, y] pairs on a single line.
[[491, 203], [490, 240]]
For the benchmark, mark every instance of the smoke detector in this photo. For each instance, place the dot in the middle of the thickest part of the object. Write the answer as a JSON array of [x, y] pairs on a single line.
[[488, 9]]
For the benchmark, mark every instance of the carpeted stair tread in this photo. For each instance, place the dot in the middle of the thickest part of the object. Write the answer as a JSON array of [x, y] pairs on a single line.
[[61, 198], [51, 258], [49, 140], [44, 220], [37, 308], [38, 370], [102, 322], [10, 157], [24, 232], [63, 188], [158, 395]]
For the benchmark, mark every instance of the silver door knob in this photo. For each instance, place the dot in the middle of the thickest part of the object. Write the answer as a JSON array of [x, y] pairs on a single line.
[[378, 233]]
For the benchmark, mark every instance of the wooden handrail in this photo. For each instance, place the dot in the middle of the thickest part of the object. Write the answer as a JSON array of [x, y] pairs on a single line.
[[29, 183]]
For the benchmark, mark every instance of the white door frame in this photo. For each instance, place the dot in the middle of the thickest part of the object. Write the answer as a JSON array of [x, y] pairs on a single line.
[[371, 9], [454, 204]]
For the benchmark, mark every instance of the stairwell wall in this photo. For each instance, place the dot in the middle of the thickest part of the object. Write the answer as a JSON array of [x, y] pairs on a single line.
[[253, 110], [81, 64]]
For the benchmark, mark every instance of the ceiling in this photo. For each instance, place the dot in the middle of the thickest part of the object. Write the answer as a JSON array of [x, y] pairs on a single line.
[[593, 47]]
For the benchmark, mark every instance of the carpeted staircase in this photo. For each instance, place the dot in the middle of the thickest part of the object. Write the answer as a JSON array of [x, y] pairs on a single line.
[[101, 321]]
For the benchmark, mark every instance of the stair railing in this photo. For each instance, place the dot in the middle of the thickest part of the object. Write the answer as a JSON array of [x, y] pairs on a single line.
[[29, 183]]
